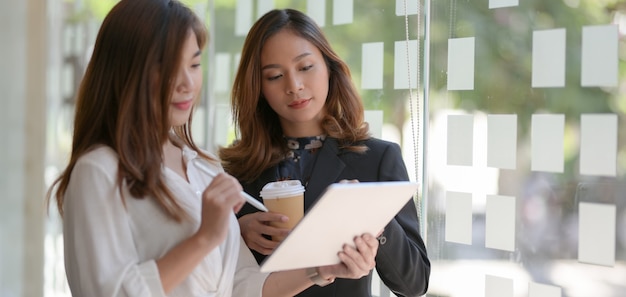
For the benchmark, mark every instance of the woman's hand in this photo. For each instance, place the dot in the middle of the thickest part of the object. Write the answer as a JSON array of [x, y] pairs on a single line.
[[253, 226], [219, 200], [356, 262]]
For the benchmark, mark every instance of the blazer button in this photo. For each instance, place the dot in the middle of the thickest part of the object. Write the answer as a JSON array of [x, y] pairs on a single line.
[[382, 239]]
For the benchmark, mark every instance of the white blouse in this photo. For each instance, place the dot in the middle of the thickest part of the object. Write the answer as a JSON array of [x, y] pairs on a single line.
[[111, 245]]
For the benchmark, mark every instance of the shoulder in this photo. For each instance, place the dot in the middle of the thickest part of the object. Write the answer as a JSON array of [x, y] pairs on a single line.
[[101, 158], [379, 146], [376, 148], [211, 159], [376, 143]]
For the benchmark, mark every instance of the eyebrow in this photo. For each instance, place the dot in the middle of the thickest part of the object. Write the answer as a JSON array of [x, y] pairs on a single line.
[[298, 58], [199, 52]]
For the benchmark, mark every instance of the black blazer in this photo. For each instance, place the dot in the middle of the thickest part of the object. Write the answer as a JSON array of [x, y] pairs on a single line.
[[401, 262]]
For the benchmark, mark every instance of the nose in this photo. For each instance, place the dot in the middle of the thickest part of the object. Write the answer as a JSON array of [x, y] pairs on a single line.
[[294, 84], [184, 82]]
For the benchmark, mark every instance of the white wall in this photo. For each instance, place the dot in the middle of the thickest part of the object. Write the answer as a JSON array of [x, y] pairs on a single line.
[[22, 137]]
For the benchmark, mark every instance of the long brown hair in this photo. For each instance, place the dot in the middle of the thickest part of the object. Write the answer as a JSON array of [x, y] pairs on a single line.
[[124, 97], [260, 142]]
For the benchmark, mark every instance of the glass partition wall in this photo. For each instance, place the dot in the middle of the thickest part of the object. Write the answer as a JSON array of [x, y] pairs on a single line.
[[523, 176], [526, 148]]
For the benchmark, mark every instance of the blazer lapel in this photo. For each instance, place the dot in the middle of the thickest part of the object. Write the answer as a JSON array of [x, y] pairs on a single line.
[[327, 168]]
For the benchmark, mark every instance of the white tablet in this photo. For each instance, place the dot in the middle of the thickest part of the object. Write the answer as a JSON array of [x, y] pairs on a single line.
[[344, 211]]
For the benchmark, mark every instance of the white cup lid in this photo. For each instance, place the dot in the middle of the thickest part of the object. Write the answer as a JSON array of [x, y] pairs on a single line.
[[281, 189]]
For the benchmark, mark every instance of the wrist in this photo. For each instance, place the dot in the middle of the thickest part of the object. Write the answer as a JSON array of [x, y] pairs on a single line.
[[317, 278], [203, 242]]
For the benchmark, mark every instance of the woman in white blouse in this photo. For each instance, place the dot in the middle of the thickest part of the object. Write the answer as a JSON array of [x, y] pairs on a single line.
[[139, 218]]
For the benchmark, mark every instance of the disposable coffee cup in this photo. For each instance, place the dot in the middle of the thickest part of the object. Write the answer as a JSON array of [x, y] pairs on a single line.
[[287, 198]]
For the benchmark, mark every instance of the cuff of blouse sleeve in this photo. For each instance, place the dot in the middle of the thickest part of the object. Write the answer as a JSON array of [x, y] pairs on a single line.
[[150, 274]]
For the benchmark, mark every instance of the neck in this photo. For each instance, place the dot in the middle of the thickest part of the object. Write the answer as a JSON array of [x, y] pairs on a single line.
[[302, 130]]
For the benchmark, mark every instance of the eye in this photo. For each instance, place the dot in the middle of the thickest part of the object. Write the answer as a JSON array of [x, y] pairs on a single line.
[[306, 68], [275, 77], [196, 65]]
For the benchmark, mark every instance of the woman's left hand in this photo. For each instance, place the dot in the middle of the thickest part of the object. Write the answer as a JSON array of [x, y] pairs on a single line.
[[356, 261]]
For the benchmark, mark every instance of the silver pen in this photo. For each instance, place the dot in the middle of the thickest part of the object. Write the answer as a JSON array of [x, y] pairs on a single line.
[[204, 168]]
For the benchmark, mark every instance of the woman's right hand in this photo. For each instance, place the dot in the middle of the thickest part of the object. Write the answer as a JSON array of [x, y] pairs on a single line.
[[253, 226], [219, 200]]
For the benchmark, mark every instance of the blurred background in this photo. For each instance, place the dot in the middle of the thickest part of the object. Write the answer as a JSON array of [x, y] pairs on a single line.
[[399, 52]]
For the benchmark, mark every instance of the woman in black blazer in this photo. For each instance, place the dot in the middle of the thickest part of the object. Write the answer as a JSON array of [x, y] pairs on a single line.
[[299, 116]]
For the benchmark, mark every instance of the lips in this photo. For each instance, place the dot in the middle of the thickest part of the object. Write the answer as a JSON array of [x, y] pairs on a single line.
[[183, 105], [300, 103]]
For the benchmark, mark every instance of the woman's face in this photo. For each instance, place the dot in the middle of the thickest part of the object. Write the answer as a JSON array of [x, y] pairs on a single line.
[[188, 82], [294, 79]]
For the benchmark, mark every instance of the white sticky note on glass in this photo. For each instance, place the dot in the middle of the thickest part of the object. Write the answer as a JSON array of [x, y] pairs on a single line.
[[236, 60], [500, 222], [598, 144], [541, 290], [596, 233], [548, 58], [220, 132], [222, 66], [411, 7], [263, 6], [599, 66], [243, 17], [372, 66], [317, 11], [502, 141], [405, 67], [502, 3], [343, 12], [498, 286], [546, 140], [374, 119], [461, 63], [459, 217], [460, 140]]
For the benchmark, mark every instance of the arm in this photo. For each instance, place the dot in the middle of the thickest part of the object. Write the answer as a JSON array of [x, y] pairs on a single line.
[[101, 259], [219, 199], [402, 261], [102, 256]]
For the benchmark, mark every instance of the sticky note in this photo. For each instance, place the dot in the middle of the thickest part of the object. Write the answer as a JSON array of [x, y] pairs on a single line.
[[221, 133], [317, 11], [541, 290], [596, 233], [243, 17], [502, 141], [374, 119], [546, 141], [461, 63], [598, 144], [460, 140], [599, 65], [343, 12], [498, 286], [406, 6], [500, 222], [405, 67], [263, 6], [458, 217], [222, 66], [502, 3], [548, 66], [372, 66]]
